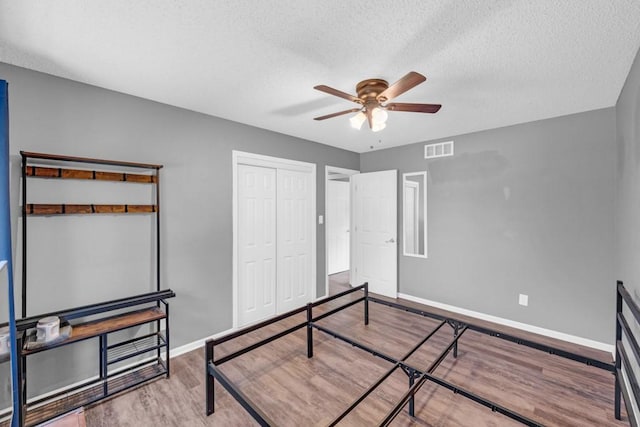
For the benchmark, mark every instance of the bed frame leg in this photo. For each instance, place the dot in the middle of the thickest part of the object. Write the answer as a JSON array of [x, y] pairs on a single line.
[[309, 331], [456, 328], [412, 410], [618, 379], [617, 398], [366, 303], [210, 383], [455, 325]]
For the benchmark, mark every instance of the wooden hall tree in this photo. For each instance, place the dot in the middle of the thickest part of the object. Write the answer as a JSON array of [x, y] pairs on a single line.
[[123, 362]]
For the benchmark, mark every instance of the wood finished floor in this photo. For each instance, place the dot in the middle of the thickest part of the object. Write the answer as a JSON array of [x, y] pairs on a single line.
[[296, 391]]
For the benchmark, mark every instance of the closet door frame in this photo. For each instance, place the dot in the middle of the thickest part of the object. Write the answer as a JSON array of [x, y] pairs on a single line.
[[252, 159]]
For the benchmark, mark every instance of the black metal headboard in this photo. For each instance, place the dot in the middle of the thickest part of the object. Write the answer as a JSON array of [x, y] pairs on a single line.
[[623, 362]]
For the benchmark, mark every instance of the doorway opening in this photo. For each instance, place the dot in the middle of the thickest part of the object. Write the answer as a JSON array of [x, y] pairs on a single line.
[[338, 211]]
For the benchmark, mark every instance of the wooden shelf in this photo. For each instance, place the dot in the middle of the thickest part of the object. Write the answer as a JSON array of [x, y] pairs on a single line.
[[66, 209], [64, 173], [92, 394], [104, 326]]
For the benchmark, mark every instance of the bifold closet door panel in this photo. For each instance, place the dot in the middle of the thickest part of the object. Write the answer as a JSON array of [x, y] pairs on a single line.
[[294, 239], [257, 266]]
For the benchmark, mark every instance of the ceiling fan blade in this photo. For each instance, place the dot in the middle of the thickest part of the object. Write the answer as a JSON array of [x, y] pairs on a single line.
[[416, 108], [409, 81], [328, 116], [338, 93]]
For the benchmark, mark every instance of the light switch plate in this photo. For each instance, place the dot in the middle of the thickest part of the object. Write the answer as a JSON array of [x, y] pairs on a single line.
[[523, 300], [320, 219]]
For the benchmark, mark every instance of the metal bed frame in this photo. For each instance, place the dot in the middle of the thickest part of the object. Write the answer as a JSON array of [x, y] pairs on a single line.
[[416, 376]]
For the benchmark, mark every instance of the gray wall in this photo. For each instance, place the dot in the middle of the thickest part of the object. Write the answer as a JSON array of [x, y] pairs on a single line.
[[628, 181], [53, 115], [628, 191], [523, 209]]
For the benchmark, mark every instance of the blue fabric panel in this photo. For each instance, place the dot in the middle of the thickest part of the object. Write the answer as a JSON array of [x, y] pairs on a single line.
[[5, 235]]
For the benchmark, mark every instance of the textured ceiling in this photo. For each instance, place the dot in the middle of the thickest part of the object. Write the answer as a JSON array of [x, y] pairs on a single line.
[[489, 63]]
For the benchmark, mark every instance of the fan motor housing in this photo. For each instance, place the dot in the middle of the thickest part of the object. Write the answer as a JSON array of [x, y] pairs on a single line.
[[369, 89]]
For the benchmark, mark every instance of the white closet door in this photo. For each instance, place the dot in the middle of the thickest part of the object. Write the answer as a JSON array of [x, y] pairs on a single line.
[[338, 223], [294, 239], [256, 243]]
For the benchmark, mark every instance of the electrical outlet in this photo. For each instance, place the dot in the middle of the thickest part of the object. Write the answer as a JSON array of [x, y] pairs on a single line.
[[523, 300], [320, 219]]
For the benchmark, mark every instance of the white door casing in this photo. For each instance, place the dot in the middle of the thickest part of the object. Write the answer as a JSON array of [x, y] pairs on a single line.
[[374, 249], [294, 240], [256, 243], [338, 224]]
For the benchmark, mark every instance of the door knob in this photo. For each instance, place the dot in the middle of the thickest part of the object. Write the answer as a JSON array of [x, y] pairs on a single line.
[[391, 240]]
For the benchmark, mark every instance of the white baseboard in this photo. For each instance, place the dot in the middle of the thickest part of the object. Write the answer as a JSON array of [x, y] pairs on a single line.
[[518, 325], [175, 352]]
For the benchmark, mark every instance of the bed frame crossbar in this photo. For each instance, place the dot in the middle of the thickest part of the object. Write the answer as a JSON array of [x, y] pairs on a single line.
[[417, 377], [415, 386]]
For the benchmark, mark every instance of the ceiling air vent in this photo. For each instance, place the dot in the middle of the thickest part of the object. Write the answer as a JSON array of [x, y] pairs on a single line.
[[440, 149]]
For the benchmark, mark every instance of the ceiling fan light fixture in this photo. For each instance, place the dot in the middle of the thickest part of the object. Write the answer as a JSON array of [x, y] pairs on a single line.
[[379, 116], [358, 120], [376, 127], [372, 99]]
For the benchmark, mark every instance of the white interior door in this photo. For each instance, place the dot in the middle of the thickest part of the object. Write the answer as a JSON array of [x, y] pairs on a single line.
[[337, 224], [256, 189], [294, 276], [375, 249]]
